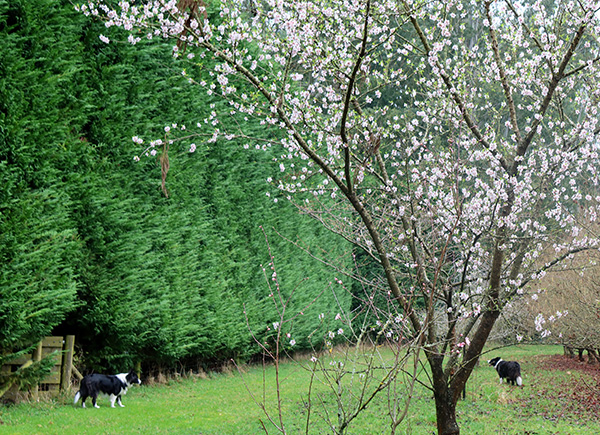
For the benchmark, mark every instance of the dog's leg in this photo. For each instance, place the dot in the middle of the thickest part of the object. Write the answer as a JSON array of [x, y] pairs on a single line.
[[112, 400], [500, 380], [119, 401], [94, 399]]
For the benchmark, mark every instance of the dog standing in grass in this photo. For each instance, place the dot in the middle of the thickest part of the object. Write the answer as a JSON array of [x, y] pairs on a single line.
[[113, 386], [509, 370]]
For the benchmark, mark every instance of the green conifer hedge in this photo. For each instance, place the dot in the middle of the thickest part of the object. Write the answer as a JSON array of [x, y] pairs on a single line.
[[90, 244]]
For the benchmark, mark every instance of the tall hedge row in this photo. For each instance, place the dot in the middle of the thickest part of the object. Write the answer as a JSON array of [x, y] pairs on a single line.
[[89, 244]]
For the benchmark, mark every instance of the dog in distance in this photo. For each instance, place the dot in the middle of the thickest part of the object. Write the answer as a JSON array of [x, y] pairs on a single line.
[[509, 370], [113, 386]]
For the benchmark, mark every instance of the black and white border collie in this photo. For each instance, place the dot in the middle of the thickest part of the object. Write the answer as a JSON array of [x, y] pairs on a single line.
[[112, 385], [509, 370]]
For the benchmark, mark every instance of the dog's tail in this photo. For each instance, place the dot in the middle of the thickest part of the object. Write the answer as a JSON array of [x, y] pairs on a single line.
[[77, 396], [519, 381]]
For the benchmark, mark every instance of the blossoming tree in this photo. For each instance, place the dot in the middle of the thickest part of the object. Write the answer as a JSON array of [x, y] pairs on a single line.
[[452, 141]]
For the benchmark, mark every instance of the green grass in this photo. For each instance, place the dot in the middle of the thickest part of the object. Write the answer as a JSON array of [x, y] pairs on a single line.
[[221, 405]]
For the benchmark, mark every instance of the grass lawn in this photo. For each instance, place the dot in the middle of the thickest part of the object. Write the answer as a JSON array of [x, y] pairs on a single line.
[[561, 400]]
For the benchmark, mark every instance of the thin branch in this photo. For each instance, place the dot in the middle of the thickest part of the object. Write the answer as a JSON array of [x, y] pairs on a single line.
[[530, 33], [503, 79], [549, 265], [581, 67], [552, 85], [456, 97], [348, 98]]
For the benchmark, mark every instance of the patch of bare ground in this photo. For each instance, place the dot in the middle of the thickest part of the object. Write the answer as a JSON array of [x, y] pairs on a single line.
[[569, 388]]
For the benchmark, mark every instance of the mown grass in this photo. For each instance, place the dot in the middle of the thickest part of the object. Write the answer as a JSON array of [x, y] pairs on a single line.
[[221, 405]]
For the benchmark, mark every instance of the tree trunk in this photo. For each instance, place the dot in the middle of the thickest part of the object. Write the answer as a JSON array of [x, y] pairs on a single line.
[[447, 391], [445, 411], [445, 403]]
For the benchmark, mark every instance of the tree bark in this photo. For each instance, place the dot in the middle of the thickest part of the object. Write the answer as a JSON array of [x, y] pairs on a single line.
[[445, 404], [445, 411]]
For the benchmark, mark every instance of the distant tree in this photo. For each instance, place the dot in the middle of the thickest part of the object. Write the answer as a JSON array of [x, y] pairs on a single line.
[[482, 154], [567, 307]]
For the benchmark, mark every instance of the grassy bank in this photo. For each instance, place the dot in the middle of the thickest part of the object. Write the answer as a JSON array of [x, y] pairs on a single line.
[[220, 404]]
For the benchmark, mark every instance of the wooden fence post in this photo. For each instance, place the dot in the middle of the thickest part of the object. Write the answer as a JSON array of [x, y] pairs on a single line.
[[37, 357], [67, 363]]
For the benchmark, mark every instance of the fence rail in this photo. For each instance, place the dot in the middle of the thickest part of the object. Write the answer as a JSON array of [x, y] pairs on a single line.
[[60, 377]]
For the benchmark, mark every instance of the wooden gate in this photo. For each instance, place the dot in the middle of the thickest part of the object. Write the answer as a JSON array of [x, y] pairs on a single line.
[[60, 377]]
